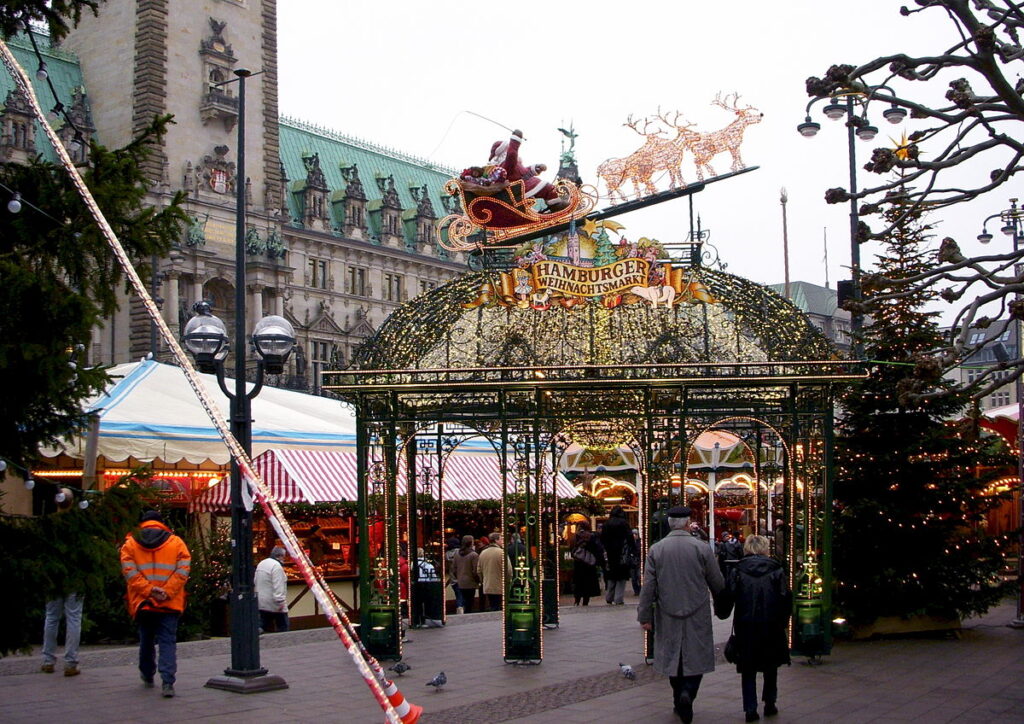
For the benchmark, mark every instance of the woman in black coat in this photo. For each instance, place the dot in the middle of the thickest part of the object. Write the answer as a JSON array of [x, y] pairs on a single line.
[[763, 603], [616, 536], [585, 582]]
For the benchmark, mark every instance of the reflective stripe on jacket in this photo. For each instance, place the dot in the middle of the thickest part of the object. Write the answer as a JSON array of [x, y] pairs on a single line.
[[165, 565]]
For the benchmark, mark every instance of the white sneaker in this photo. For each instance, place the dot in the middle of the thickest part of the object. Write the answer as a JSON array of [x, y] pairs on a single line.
[[460, 609]]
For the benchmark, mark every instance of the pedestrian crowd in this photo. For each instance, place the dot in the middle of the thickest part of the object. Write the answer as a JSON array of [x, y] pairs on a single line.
[[683, 575]]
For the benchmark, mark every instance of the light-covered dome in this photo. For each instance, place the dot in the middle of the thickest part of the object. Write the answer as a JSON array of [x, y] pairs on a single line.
[[447, 329]]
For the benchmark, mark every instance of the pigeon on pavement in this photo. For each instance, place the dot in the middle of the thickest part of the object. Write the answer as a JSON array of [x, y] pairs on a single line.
[[627, 671], [400, 668], [438, 681]]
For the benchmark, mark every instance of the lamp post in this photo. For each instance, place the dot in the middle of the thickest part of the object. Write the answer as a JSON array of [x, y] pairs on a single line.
[[1012, 227], [206, 338], [859, 127], [783, 199]]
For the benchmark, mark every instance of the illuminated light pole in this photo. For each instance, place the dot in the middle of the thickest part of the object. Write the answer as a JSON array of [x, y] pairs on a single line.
[[1012, 227], [857, 126]]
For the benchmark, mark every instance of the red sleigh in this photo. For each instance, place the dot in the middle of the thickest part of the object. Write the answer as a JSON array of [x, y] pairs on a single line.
[[503, 211]]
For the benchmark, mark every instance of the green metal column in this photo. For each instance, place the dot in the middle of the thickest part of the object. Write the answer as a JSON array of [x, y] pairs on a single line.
[[522, 602], [382, 624]]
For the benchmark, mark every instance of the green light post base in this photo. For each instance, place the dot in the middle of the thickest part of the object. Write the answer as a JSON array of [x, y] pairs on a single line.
[[247, 684]]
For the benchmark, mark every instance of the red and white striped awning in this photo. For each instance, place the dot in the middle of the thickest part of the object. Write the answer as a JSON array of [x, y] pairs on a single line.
[[313, 476]]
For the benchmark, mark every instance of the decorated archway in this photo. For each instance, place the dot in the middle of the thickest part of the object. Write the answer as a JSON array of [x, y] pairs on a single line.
[[533, 371]]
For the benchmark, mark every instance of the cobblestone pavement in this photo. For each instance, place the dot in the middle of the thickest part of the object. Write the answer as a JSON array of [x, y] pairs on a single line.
[[978, 677]]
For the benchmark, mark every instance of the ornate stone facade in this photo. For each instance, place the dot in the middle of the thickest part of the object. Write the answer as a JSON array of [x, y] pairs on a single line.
[[335, 249]]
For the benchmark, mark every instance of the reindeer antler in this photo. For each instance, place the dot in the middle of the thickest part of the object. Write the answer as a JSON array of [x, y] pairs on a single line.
[[733, 105], [633, 124], [674, 123]]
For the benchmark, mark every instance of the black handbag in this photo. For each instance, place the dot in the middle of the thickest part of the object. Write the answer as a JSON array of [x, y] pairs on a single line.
[[729, 652]]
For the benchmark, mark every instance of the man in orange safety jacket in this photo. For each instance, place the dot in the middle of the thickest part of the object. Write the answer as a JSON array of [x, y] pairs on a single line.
[[156, 564]]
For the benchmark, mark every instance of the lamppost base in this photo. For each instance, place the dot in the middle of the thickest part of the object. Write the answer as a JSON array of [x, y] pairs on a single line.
[[260, 681]]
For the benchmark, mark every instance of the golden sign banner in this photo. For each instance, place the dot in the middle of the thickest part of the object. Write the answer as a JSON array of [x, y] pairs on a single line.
[[593, 281], [546, 283]]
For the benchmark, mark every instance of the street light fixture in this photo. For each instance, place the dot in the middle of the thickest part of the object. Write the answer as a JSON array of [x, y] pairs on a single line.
[[856, 126], [206, 338], [894, 114], [1012, 219]]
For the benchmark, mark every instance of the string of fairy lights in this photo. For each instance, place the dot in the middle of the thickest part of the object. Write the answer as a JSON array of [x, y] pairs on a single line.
[[59, 110]]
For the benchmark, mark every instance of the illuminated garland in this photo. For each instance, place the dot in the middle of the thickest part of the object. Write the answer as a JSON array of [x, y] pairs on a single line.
[[752, 323]]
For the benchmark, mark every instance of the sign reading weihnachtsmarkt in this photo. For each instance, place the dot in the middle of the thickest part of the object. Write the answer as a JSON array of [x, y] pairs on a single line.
[[586, 266], [593, 282]]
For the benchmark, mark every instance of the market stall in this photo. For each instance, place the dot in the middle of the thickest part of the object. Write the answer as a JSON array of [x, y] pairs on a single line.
[[150, 416], [319, 488]]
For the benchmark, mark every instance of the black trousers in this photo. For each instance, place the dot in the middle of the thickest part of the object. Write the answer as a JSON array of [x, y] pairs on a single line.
[[681, 683]]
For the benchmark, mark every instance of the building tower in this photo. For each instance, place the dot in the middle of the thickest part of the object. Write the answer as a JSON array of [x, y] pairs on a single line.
[[139, 59]]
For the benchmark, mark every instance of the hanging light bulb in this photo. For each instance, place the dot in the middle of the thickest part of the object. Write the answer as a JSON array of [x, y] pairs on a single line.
[[83, 504], [3, 465], [41, 72], [29, 484], [61, 496], [56, 111], [77, 143], [14, 205]]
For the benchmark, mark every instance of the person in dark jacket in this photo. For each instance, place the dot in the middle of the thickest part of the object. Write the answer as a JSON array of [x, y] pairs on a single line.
[[617, 537], [585, 582], [729, 551], [762, 603]]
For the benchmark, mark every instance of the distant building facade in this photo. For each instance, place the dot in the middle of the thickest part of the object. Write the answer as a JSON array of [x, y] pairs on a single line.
[[339, 231], [821, 306], [996, 346]]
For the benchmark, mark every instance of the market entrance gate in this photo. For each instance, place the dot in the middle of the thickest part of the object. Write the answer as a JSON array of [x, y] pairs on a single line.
[[530, 413]]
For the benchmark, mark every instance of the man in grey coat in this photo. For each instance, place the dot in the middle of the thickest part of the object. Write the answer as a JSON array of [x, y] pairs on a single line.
[[679, 574]]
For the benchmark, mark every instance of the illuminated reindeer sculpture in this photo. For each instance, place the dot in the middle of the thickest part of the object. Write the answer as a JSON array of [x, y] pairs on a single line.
[[708, 145], [657, 154], [635, 167], [667, 154]]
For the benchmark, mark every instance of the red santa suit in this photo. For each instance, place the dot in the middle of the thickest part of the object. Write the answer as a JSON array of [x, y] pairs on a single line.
[[506, 155]]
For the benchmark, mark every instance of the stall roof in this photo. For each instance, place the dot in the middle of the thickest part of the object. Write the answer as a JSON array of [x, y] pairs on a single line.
[[313, 476], [150, 413]]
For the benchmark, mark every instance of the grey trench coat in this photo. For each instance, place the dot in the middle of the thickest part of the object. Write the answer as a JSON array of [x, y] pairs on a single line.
[[679, 573]]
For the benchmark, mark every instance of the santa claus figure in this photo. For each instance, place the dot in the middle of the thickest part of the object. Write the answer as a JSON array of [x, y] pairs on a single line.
[[506, 155]]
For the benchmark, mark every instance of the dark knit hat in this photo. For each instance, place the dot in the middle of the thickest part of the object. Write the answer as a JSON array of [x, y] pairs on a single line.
[[679, 511]]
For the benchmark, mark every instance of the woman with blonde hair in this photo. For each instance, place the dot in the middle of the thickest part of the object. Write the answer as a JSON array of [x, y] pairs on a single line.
[[763, 602]]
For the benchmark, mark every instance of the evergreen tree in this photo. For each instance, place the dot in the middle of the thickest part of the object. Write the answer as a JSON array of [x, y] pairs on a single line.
[[75, 551], [60, 280], [909, 532], [604, 250]]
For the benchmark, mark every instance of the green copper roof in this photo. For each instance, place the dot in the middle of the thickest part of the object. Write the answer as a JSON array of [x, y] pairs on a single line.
[[810, 298], [299, 139], [64, 70]]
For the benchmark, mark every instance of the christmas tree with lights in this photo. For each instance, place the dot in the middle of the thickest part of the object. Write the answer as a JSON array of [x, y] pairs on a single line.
[[911, 482]]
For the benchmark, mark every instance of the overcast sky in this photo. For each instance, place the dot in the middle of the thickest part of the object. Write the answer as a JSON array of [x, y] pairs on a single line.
[[400, 73]]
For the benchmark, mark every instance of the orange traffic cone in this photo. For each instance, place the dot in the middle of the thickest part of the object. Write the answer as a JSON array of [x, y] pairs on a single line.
[[407, 712]]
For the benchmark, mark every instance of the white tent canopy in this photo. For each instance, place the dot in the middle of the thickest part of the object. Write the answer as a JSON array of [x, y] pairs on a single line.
[[150, 412]]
